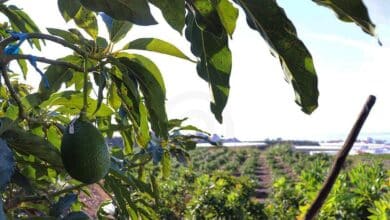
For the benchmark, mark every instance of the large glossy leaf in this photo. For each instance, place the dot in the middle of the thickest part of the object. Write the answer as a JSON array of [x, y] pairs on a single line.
[[351, 11], [20, 21], [228, 15], [117, 29], [173, 12], [152, 86], [277, 30], [27, 143], [135, 11], [84, 18], [215, 62], [206, 16], [156, 45], [7, 164]]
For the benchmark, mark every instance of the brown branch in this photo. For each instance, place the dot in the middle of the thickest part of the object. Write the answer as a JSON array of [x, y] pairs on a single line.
[[8, 58], [340, 159], [58, 40], [14, 94]]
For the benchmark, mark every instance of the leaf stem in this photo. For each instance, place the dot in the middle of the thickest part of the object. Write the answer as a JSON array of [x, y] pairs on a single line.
[[83, 113]]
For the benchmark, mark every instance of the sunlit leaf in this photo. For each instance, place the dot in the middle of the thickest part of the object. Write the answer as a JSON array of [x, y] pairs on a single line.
[[215, 63], [228, 15], [271, 22], [84, 18], [156, 45], [173, 12]]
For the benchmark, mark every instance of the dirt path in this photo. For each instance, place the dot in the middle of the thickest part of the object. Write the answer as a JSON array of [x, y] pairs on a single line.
[[287, 169], [263, 172]]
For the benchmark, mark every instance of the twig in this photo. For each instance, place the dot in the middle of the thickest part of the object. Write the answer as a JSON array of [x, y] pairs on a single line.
[[14, 202], [14, 94], [340, 159], [83, 112]]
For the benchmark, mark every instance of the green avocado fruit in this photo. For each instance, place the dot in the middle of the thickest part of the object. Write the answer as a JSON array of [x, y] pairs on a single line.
[[84, 152]]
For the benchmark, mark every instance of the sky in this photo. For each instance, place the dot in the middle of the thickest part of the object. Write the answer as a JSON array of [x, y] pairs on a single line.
[[350, 66]]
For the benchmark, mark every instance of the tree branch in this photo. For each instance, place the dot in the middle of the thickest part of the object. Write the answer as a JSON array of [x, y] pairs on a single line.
[[17, 200], [11, 89], [8, 58], [340, 159], [58, 40]]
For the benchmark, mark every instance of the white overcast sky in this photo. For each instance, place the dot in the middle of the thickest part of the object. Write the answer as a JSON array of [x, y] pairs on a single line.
[[350, 66]]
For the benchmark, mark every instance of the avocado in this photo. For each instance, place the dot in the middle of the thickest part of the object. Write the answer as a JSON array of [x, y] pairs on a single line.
[[84, 152]]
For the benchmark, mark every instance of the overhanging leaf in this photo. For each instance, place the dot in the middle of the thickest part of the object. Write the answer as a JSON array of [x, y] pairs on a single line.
[[100, 80], [135, 11], [173, 12], [84, 18], [228, 15], [152, 86], [351, 11], [206, 16], [277, 30], [21, 22], [117, 29], [7, 164], [156, 45], [215, 63]]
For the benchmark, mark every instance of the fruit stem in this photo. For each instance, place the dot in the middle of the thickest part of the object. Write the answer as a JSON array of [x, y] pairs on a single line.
[[83, 113]]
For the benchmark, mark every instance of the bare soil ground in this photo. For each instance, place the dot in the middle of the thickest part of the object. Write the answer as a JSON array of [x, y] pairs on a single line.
[[263, 172]]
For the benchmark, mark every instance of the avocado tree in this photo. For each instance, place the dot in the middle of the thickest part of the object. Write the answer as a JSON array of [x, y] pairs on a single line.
[[38, 125]]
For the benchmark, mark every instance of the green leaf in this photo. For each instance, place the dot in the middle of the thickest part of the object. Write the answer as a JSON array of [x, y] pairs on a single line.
[[172, 123], [113, 97], [7, 164], [156, 45], [152, 86], [29, 144], [135, 11], [277, 30], [63, 204], [68, 8], [166, 164], [117, 29], [23, 65], [215, 62], [54, 136], [71, 103], [228, 15], [173, 12], [351, 11], [84, 18], [66, 35], [206, 16], [21, 22], [100, 80], [143, 136], [22, 181]]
